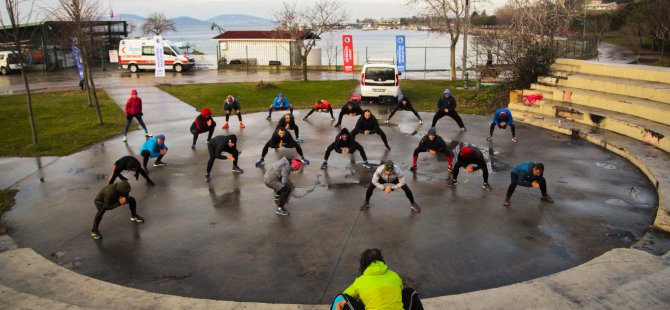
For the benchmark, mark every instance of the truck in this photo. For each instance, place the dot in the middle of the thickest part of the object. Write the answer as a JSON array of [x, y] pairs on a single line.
[[380, 80], [138, 54]]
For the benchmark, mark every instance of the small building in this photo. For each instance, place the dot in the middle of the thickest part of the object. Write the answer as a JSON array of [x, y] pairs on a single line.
[[599, 5], [260, 47]]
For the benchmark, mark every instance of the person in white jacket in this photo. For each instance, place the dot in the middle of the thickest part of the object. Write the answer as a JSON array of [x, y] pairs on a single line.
[[389, 177]]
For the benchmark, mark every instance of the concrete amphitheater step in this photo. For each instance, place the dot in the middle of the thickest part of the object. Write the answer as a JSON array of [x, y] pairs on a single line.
[[624, 71], [13, 299], [27, 272], [654, 91], [652, 161]]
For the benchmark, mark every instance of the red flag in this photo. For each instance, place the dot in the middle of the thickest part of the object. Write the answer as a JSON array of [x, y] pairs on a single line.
[[348, 52]]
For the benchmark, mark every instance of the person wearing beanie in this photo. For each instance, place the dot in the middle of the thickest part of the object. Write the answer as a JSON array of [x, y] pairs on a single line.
[[368, 125], [281, 138], [472, 159], [345, 145], [154, 148], [288, 122], [276, 178], [528, 174], [134, 110], [389, 177], [230, 105], [502, 118], [217, 146], [129, 163], [110, 197], [280, 103], [447, 106], [203, 123], [351, 108], [433, 144], [404, 105], [321, 105]]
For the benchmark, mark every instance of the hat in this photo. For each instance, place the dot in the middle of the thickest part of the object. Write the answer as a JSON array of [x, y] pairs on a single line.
[[133, 92], [432, 131], [446, 91], [206, 112], [280, 95], [232, 138], [467, 151], [296, 163], [122, 187], [388, 165], [160, 137]]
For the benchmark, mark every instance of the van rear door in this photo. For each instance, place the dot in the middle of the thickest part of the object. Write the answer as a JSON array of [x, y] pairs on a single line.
[[380, 76]]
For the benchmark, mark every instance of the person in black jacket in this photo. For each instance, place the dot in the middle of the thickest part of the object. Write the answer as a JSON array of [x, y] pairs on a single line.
[[344, 145], [288, 122], [132, 164], [110, 197], [447, 106], [218, 145], [404, 105], [368, 125], [230, 105], [351, 108], [472, 159], [433, 144], [203, 123], [281, 138]]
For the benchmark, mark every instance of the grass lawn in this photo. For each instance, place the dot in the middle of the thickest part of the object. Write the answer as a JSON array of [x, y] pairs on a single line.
[[424, 95], [65, 123], [300, 94]]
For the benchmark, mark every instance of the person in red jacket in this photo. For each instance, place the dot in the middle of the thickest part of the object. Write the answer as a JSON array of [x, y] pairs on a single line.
[[321, 105], [134, 109], [203, 123]]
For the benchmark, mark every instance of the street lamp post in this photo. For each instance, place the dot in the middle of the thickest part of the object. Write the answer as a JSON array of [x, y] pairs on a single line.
[[465, 35]]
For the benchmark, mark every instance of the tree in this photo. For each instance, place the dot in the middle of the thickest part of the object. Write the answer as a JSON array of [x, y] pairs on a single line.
[[319, 17], [659, 21], [156, 24], [597, 25], [13, 33]]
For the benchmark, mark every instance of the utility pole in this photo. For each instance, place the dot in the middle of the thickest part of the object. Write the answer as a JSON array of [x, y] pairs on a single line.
[[466, 25]]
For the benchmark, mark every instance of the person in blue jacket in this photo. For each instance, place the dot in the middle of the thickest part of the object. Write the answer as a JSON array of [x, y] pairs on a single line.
[[280, 103], [447, 106], [154, 148], [528, 174], [502, 118]]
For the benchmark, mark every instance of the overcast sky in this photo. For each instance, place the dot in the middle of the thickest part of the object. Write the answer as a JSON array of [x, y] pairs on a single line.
[[204, 9]]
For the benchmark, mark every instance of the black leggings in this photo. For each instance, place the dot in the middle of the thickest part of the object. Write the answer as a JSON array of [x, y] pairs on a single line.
[[284, 193], [117, 173], [514, 181], [330, 109], [288, 146], [485, 171], [380, 133], [213, 157], [342, 114], [399, 108], [145, 157], [129, 118], [209, 135], [453, 114], [493, 126], [101, 210], [239, 114], [280, 109], [357, 147], [405, 188]]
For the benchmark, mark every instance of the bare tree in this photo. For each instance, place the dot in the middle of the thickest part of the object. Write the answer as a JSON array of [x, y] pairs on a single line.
[[156, 24], [318, 17], [13, 33], [659, 20], [597, 25]]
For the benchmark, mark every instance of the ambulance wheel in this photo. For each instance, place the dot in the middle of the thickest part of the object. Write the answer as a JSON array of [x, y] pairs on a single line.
[[133, 68], [3, 71], [178, 68]]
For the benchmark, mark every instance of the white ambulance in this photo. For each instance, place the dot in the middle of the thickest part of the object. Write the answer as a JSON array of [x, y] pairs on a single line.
[[136, 54], [380, 80]]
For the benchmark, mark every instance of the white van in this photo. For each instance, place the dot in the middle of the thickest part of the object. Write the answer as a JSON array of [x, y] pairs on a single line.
[[136, 54], [380, 80], [9, 62]]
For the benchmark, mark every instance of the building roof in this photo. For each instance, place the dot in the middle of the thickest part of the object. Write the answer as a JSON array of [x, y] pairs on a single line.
[[262, 35]]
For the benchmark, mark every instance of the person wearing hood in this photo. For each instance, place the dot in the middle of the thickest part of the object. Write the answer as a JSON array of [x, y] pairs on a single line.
[[447, 106], [389, 177], [217, 146], [288, 122], [203, 123], [345, 145], [528, 174], [154, 148], [368, 124], [433, 144], [472, 159], [502, 118], [351, 108], [276, 178], [321, 105], [404, 105], [110, 197], [230, 105], [134, 110], [281, 138], [280, 103], [129, 163]]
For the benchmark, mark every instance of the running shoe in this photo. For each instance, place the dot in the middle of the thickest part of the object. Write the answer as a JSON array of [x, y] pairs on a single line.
[[242, 125], [367, 165], [413, 168], [415, 208], [193, 147], [491, 139], [96, 235], [260, 162], [420, 121], [237, 169], [386, 121], [547, 198], [125, 139], [225, 126], [324, 165], [281, 211], [159, 163], [506, 203], [515, 140], [268, 118], [207, 178], [137, 219], [305, 161], [452, 182], [364, 207], [487, 187]]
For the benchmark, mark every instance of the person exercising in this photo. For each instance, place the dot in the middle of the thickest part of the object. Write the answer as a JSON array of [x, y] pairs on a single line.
[[203, 123], [110, 197], [129, 163], [230, 105], [388, 178], [502, 118], [217, 146], [288, 122], [351, 108], [276, 178], [281, 138], [344, 146], [472, 159], [433, 144], [528, 174], [322, 105], [447, 106], [404, 105], [368, 125]]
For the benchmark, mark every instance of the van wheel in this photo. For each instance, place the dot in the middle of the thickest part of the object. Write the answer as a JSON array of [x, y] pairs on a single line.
[[133, 68], [3, 71], [178, 68]]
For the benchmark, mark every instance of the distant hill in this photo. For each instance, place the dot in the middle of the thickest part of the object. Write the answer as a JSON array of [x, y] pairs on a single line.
[[240, 20]]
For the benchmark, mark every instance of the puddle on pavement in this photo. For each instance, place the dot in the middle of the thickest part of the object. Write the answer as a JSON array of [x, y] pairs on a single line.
[[74, 170], [605, 165]]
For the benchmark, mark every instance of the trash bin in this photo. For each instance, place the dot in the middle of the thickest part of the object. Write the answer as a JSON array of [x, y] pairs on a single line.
[[465, 80]]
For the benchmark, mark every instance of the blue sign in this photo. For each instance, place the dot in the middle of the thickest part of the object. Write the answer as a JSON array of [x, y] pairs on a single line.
[[401, 62], [77, 58]]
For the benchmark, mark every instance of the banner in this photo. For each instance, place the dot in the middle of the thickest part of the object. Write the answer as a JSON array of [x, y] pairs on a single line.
[[158, 51], [348, 52], [401, 62], [76, 53]]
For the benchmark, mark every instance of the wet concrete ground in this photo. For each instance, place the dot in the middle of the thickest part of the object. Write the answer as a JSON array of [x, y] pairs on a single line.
[[222, 240]]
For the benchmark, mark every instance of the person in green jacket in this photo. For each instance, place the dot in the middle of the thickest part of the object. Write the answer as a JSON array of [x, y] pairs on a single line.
[[111, 197]]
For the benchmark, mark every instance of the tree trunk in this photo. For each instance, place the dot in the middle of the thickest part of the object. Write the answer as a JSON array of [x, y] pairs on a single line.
[[303, 58], [93, 94], [29, 100], [88, 89], [452, 60]]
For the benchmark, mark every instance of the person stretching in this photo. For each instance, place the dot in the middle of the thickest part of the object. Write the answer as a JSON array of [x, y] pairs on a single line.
[[281, 138], [110, 197], [218, 145], [276, 178], [132, 164], [472, 159], [344, 146], [528, 174], [280, 103], [351, 108], [322, 105], [502, 118], [230, 105], [404, 105], [134, 110], [203, 123], [154, 148], [433, 144], [368, 125], [447, 106], [389, 177], [288, 122]]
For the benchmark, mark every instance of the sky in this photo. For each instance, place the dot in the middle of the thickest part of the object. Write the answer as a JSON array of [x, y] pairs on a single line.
[[204, 9]]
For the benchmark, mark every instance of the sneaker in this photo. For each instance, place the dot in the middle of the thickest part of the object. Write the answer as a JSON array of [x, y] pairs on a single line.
[[386, 121], [260, 162], [337, 125], [515, 140], [96, 235], [388, 148], [148, 135], [304, 118], [332, 118], [463, 129], [415, 208], [364, 207], [225, 126], [413, 168], [451, 169], [367, 165], [420, 121], [277, 197], [491, 139], [305, 161], [207, 178], [299, 140], [137, 219], [193, 147], [146, 170], [242, 125], [487, 187], [159, 163], [237, 169], [125, 139], [547, 198], [506, 203], [281, 211], [268, 118], [151, 183], [324, 165], [452, 182]]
